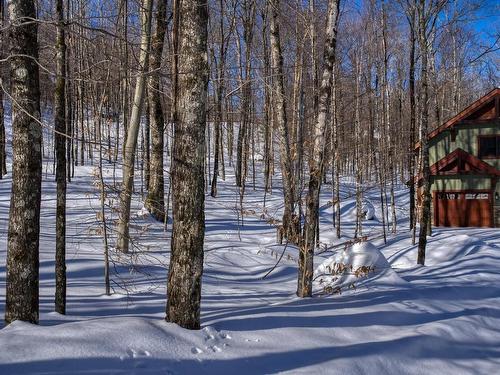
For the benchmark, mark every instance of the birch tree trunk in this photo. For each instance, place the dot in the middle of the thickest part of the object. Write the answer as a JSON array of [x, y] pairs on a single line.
[[60, 138], [186, 261], [24, 221], [306, 256], [155, 200], [133, 130]]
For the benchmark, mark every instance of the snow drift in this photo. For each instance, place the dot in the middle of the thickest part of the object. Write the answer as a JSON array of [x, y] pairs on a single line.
[[348, 267]]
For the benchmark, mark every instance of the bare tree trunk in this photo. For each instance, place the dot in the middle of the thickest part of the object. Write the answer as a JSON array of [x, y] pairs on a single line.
[[186, 261], [306, 256], [424, 146], [357, 149], [268, 116], [133, 131], [60, 137], [411, 93], [146, 156], [297, 127], [24, 221], [68, 101], [230, 131], [336, 158], [3, 150], [124, 68], [102, 194], [290, 223], [221, 66], [314, 60], [246, 88], [155, 201], [387, 120]]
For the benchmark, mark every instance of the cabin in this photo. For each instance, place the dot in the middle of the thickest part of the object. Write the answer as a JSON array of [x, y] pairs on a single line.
[[464, 158]]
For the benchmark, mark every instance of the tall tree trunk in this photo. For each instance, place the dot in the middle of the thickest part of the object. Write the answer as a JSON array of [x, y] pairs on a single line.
[[133, 130], [60, 137], [24, 221], [221, 66], [155, 201], [411, 93], [424, 146], [3, 150], [290, 223], [246, 89], [186, 261], [336, 157], [358, 231], [147, 141], [124, 69], [314, 60], [387, 120], [297, 128], [268, 116], [306, 256]]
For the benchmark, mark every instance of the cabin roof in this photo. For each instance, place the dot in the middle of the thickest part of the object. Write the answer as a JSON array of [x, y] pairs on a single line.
[[461, 162], [485, 109]]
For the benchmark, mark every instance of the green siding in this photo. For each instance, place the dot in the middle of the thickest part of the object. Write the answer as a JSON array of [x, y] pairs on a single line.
[[466, 139], [440, 183]]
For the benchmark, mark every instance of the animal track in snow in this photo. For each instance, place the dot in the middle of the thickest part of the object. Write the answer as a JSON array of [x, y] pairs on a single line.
[[252, 340], [214, 340], [133, 353], [196, 350]]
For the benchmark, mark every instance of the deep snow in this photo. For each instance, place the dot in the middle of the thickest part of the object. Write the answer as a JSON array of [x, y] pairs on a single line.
[[443, 318]]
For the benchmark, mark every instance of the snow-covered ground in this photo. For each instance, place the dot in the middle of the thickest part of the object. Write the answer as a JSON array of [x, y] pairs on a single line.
[[443, 318]]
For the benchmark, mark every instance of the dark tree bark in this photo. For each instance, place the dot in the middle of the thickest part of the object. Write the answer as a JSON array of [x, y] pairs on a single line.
[[267, 104], [411, 93], [336, 157], [60, 138], [3, 151], [290, 222], [221, 67], [424, 146], [24, 222], [246, 93], [186, 261], [147, 142], [306, 256], [155, 201]]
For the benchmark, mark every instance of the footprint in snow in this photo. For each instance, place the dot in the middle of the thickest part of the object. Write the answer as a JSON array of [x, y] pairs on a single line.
[[215, 340], [196, 350], [252, 340], [133, 353], [213, 348]]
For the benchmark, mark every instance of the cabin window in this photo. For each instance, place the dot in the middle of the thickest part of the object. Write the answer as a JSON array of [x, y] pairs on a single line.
[[489, 147]]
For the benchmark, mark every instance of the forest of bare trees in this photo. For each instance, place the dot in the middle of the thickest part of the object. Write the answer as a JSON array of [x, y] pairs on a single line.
[[172, 96]]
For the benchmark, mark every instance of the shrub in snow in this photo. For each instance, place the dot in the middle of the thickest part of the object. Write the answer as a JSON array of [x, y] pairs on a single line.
[[346, 267], [368, 210]]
